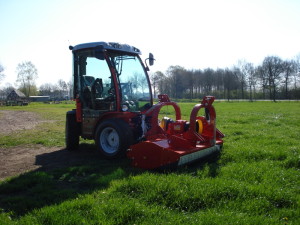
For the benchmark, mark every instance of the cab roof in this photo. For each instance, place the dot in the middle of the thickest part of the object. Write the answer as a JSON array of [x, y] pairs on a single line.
[[109, 46]]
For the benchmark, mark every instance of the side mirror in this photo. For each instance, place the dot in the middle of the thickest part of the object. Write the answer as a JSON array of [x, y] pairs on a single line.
[[151, 59], [99, 52]]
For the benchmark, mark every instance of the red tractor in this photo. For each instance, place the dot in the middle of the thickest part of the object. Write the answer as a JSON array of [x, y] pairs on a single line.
[[114, 106]]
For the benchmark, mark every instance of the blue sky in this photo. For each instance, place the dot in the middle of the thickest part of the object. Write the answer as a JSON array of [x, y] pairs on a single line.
[[195, 34]]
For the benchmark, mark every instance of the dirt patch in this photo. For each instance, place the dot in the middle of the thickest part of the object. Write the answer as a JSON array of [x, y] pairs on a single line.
[[21, 159], [11, 121]]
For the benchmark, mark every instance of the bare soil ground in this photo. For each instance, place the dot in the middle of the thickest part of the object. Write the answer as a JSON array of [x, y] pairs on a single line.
[[11, 121], [20, 159]]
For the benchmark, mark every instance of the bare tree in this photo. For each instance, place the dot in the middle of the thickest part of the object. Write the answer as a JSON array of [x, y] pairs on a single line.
[[177, 79], [143, 83], [191, 84], [197, 82], [289, 67], [46, 89], [70, 89], [56, 92], [273, 66], [207, 80], [161, 82], [230, 82], [240, 73], [62, 86], [263, 78], [296, 75], [2, 75], [155, 80], [248, 71], [27, 74], [135, 81], [6, 91], [220, 83]]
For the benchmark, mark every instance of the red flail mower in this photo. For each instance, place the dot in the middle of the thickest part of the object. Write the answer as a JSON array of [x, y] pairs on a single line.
[[114, 106], [177, 142]]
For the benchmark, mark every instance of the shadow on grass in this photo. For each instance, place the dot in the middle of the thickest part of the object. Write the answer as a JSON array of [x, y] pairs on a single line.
[[63, 175]]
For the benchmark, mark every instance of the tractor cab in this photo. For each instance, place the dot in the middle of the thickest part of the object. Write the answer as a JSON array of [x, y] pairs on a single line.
[[110, 80], [110, 77]]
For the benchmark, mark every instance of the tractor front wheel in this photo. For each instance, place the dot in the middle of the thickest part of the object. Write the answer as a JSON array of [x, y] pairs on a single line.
[[113, 137]]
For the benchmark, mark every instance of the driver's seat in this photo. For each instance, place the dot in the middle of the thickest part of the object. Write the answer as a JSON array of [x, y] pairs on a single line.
[[96, 92], [87, 89], [88, 80]]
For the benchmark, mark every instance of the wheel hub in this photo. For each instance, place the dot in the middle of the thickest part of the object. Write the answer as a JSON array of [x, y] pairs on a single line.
[[109, 140]]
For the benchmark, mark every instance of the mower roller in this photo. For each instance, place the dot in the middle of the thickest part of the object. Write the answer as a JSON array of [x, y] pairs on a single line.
[[114, 106]]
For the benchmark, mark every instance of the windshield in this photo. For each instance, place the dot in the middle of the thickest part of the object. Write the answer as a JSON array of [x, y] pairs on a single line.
[[133, 82]]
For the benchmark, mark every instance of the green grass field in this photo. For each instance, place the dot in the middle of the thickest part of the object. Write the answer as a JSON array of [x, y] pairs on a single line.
[[255, 179]]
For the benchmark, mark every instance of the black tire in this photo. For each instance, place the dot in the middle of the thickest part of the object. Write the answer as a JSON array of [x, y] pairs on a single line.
[[113, 137], [72, 131]]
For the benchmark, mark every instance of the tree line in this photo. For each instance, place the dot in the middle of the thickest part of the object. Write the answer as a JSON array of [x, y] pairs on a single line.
[[273, 79]]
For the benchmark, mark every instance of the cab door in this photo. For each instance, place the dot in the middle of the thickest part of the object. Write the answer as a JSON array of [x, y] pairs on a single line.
[[96, 88]]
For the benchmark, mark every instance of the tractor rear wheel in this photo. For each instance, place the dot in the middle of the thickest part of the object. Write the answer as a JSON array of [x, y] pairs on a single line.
[[113, 137], [72, 131]]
